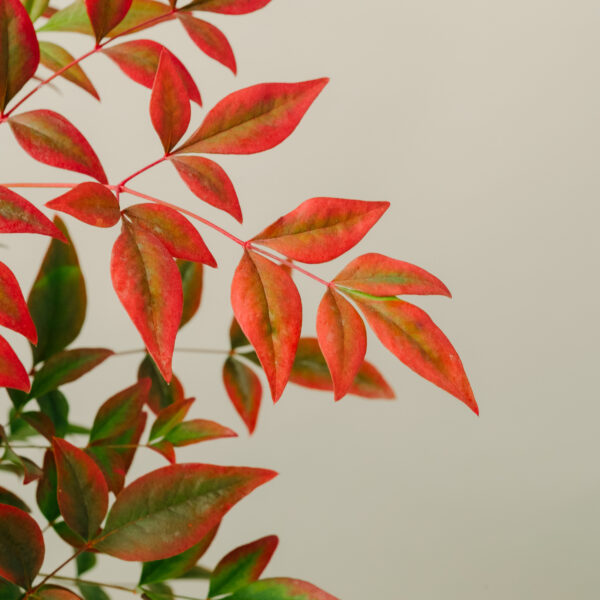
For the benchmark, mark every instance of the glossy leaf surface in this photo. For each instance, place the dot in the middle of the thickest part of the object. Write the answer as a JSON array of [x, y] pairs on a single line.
[[12, 372], [197, 430], [14, 313], [106, 14], [281, 588], [244, 390], [192, 278]]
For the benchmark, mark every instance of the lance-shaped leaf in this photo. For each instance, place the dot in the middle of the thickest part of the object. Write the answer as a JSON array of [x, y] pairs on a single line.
[[169, 417], [410, 334], [56, 407], [65, 367], [165, 449], [237, 338], [244, 390], [209, 39], [82, 490], [56, 58], [227, 7], [380, 275], [7, 497], [268, 308], [169, 510], [161, 393], [141, 270], [18, 215], [322, 229], [73, 18], [170, 109], [138, 59], [254, 119], [12, 372], [57, 301], [90, 202], [281, 588], [85, 562], [207, 180], [41, 423], [20, 53], [55, 592], [106, 14], [197, 430], [242, 566], [35, 8], [192, 276], [46, 492], [10, 591], [21, 546], [343, 340], [176, 233], [49, 138], [13, 310], [141, 15]]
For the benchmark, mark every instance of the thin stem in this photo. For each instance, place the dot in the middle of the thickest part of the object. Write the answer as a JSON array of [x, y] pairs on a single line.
[[76, 580], [142, 170], [53, 573]]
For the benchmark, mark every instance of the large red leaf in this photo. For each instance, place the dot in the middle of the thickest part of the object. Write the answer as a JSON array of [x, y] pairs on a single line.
[[138, 59], [228, 7], [207, 180], [244, 390], [322, 229], [209, 39], [14, 313], [169, 103], [82, 490], [19, 54], [21, 546], [106, 14], [12, 372], [254, 119], [141, 270], [175, 232], [343, 340], [18, 215], [281, 588], [169, 510], [51, 139], [380, 275], [410, 334], [268, 308]]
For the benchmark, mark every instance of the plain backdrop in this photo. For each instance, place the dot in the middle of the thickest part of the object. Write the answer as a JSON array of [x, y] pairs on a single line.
[[478, 121]]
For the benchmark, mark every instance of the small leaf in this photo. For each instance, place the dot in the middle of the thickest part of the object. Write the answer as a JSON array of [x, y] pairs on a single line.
[[89, 202], [268, 308], [55, 406], [141, 15], [35, 8], [169, 417], [13, 309], [192, 276], [91, 591], [73, 18], [281, 588], [321, 229], [244, 390], [54, 592], [82, 490], [7, 497], [237, 338], [41, 423], [165, 449], [85, 562], [68, 535], [227, 7], [197, 430], [12, 371], [254, 119], [106, 14], [207, 180], [161, 394], [21, 546], [46, 492], [242, 566]]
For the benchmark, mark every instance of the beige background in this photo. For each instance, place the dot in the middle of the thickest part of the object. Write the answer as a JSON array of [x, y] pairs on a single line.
[[479, 121]]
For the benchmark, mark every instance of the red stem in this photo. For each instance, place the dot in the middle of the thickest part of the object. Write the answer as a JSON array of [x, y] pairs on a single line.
[[142, 170]]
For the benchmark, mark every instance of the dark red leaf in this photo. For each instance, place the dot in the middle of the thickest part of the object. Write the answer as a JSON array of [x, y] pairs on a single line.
[[14, 313], [12, 372], [106, 14], [244, 390], [41, 423]]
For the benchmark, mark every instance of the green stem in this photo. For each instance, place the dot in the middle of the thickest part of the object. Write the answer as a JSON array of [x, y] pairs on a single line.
[[76, 580]]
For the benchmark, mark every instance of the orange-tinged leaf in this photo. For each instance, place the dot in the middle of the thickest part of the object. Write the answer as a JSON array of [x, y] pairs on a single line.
[[90, 202], [343, 340], [281, 588], [207, 180], [49, 138], [12, 372], [268, 308], [227, 7], [106, 14], [321, 229], [141, 15], [197, 430], [165, 449], [141, 270], [244, 390], [55, 592], [14, 313], [254, 119]]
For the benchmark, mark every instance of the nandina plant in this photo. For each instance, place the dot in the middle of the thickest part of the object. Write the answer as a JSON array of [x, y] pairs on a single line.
[[166, 519]]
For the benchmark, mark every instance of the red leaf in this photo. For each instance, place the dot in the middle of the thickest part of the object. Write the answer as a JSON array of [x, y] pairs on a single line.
[[20, 53], [343, 340], [197, 430], [321, 229], [370, 383], [381, 275], [139, 59], [18, 215], [142, 14], [268, 308], [22, 546], [175, 232], [14, 313], [254, 119], [165, 449], [12, 372], [168, 417], [244, 390], [409, 333], [55, 592], [48, 137], [141, 270], [228, 7], [89, 202], [169, 103], [106, 14], [207, 180], [209, 39]]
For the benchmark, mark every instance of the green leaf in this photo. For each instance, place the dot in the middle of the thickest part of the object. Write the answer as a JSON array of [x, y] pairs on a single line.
[[35, 8], [56, 407], [9, 591], [169, 417], [191, 279], [7, 497], [158, 591], [161, 394], [73, 17], [85, 562], [197, 430], [90, 591], [46, 493], [281, 588]]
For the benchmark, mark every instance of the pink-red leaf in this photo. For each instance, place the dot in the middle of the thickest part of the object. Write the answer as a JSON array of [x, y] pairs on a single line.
[[169, 510], [321, 229], [90, 202], [197, 430], [244, 390], [55, 592], [380, 275], [21, 546], [82, 490], [207, 180], [12, 372], [281, 588], [254, 119], [268, 308], [141, 270], [176, 233], [106, 14], [49, 138], [14, 313], [343, 340], [228, 7]]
